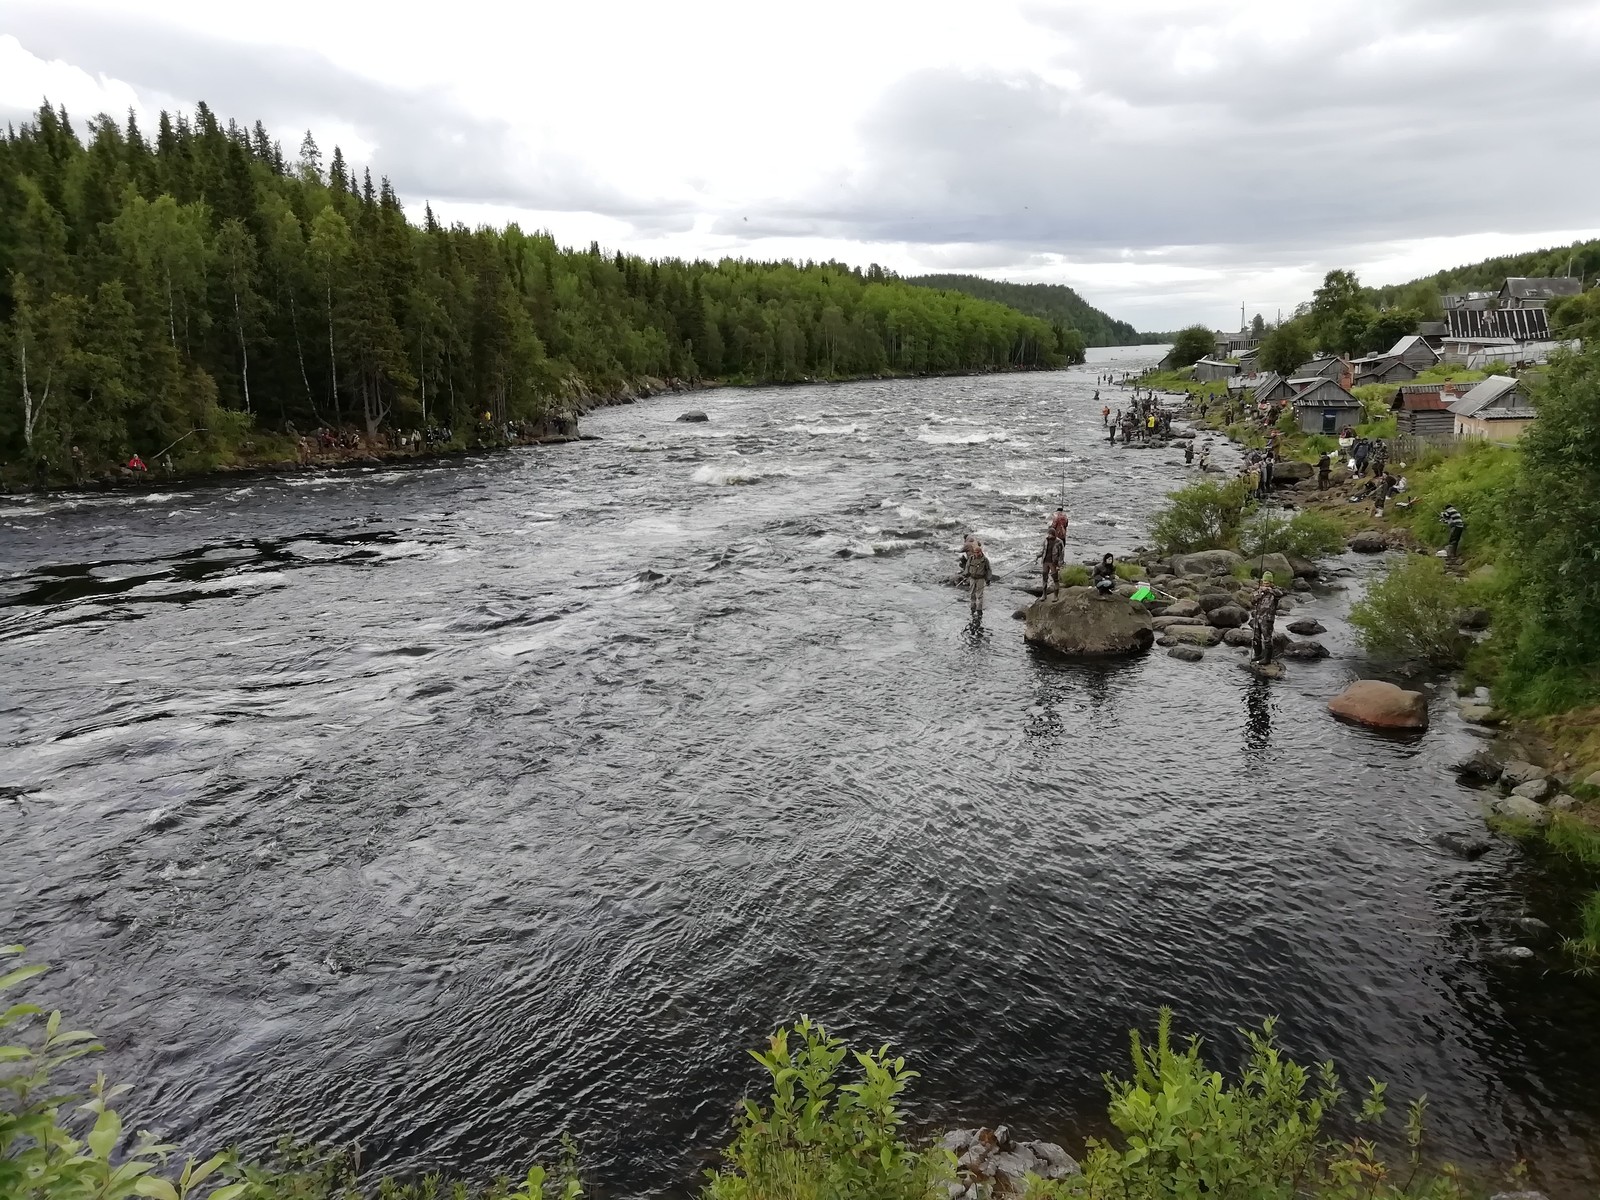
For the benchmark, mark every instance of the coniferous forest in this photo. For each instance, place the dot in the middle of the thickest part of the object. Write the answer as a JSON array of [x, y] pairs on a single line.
[[201, 290]]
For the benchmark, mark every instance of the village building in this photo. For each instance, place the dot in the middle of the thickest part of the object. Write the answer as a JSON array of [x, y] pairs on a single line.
[[1249, 360], [1271, 387], [1496, 409], [1416, 351], [1323, 406], [1513, 336], [1433, 333], [1422, 410], [1381, 368], [1208, 369], [1519, 292], [1333, 367]]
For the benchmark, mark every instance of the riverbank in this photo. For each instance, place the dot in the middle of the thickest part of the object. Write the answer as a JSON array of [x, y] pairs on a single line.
[[1540, 763], [266, 452]]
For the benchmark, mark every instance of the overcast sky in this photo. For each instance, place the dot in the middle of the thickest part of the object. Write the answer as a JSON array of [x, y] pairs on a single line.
[[1171, 159]]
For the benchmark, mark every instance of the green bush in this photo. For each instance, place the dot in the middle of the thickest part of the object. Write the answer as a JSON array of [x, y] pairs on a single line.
[[1203, 516], [60, 1145], [817, 1139], [1585, 947], [1073, 575], [1307, 535], [1185, 1133], [1411, 612]]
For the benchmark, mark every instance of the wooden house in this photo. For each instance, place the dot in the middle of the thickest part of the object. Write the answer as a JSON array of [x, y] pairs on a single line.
[[1210, 368], [1520, 292], [1323, 406], [1416, 351], [1381, 368], [1271, 386], [1423, 410], [1334, 368], [1496, 409]]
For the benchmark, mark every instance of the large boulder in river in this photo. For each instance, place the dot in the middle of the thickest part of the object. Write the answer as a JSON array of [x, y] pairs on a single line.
[[1282, 569], [1182, 608], [1080, 622], [1229, 616], [1205, 562], [1290, 471], [1369, 541], [1192, 635], [694, 417], [1379, 705]]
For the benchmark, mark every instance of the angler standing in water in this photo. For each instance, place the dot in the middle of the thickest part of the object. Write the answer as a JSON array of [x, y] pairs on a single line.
[[1055, 552], [975, 567], [1263, 619]]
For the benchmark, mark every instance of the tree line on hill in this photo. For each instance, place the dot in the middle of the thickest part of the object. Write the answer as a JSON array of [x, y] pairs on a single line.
[[199, 287], [1053, 302]]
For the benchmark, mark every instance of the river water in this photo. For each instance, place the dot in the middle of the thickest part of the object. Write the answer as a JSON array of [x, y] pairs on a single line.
[[448, 808]]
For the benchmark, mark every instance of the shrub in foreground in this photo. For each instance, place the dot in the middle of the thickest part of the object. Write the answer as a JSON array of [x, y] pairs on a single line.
[[1186, 1133], [1412, 612]]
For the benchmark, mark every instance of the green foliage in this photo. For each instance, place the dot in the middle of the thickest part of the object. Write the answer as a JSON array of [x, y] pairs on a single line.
[[1385, 427], [1285, 348], [1184, 1132], [1073, 575], [818, 1139], [1411, 612], [204, 283], [1207, 515], [1584, 947], [1052, 302], [56, 1144], [1308, 535], [1552, 526], [1192, 344], [1574, 837]]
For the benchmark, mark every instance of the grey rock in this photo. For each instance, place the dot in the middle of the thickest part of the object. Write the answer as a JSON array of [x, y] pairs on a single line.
[[1183, 608], [1078, 622], [1535, 789], [1019, 614], [1210, 601], [694, 417], [1513, 954], [1532, 927], [1479, 714], [1469, 846], [1205, 562], [1302, 585], [1517, 773], [1520, 808], [1282, 569], [1369, 542], [1473, 618], [1272, 670], [1304, 568], [1593, 780], [959, 1141], [1167, 621], [1562, 803], [1186, 653], [1229, 616], [1307, 626], [1194, 635], [1481, 770], [1304, 651]]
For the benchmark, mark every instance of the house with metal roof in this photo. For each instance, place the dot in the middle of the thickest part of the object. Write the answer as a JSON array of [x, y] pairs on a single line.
[[1211, 368], [1323, 406], [1416, 352], [1381, 368], [1271, 386], [1332, 367], [1423, 409], [1520, 292], [1504, 334], [1497, 409]]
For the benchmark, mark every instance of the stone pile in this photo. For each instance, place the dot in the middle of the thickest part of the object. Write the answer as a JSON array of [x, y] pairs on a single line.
[[989, 1163]]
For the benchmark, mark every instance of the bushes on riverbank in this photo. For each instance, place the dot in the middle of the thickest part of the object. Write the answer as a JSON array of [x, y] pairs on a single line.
[[1182, 1130], [1203, 516], [1412, 612]]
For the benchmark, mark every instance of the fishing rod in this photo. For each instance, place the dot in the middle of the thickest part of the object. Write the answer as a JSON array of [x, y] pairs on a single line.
[[190, 434]]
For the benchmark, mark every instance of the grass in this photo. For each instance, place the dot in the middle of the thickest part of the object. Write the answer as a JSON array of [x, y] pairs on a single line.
[[1073, 575], [1585, 946]]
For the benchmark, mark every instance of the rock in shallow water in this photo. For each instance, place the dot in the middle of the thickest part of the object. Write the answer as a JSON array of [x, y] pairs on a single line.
[[1470, 846], [1079, 622], [1307, 627], [694, 417], [1379, 705], [1186, 653]]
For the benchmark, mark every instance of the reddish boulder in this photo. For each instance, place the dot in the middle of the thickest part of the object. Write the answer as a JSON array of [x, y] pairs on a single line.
[[1379, 705]]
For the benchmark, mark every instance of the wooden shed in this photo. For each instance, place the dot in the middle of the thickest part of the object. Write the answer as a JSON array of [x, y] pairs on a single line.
[[1423, 411], [1416, 352], [1322, 406], [1208, 369]]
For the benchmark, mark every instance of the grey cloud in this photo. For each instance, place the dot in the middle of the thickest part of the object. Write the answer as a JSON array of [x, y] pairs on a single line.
[[1319, 145], [426, 144]]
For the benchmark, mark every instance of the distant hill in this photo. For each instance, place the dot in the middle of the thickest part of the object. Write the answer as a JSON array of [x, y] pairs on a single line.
[[1054, 302], [1581, 259]]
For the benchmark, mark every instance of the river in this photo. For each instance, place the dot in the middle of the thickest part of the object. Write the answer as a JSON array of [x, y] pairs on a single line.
[[451, 807]]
